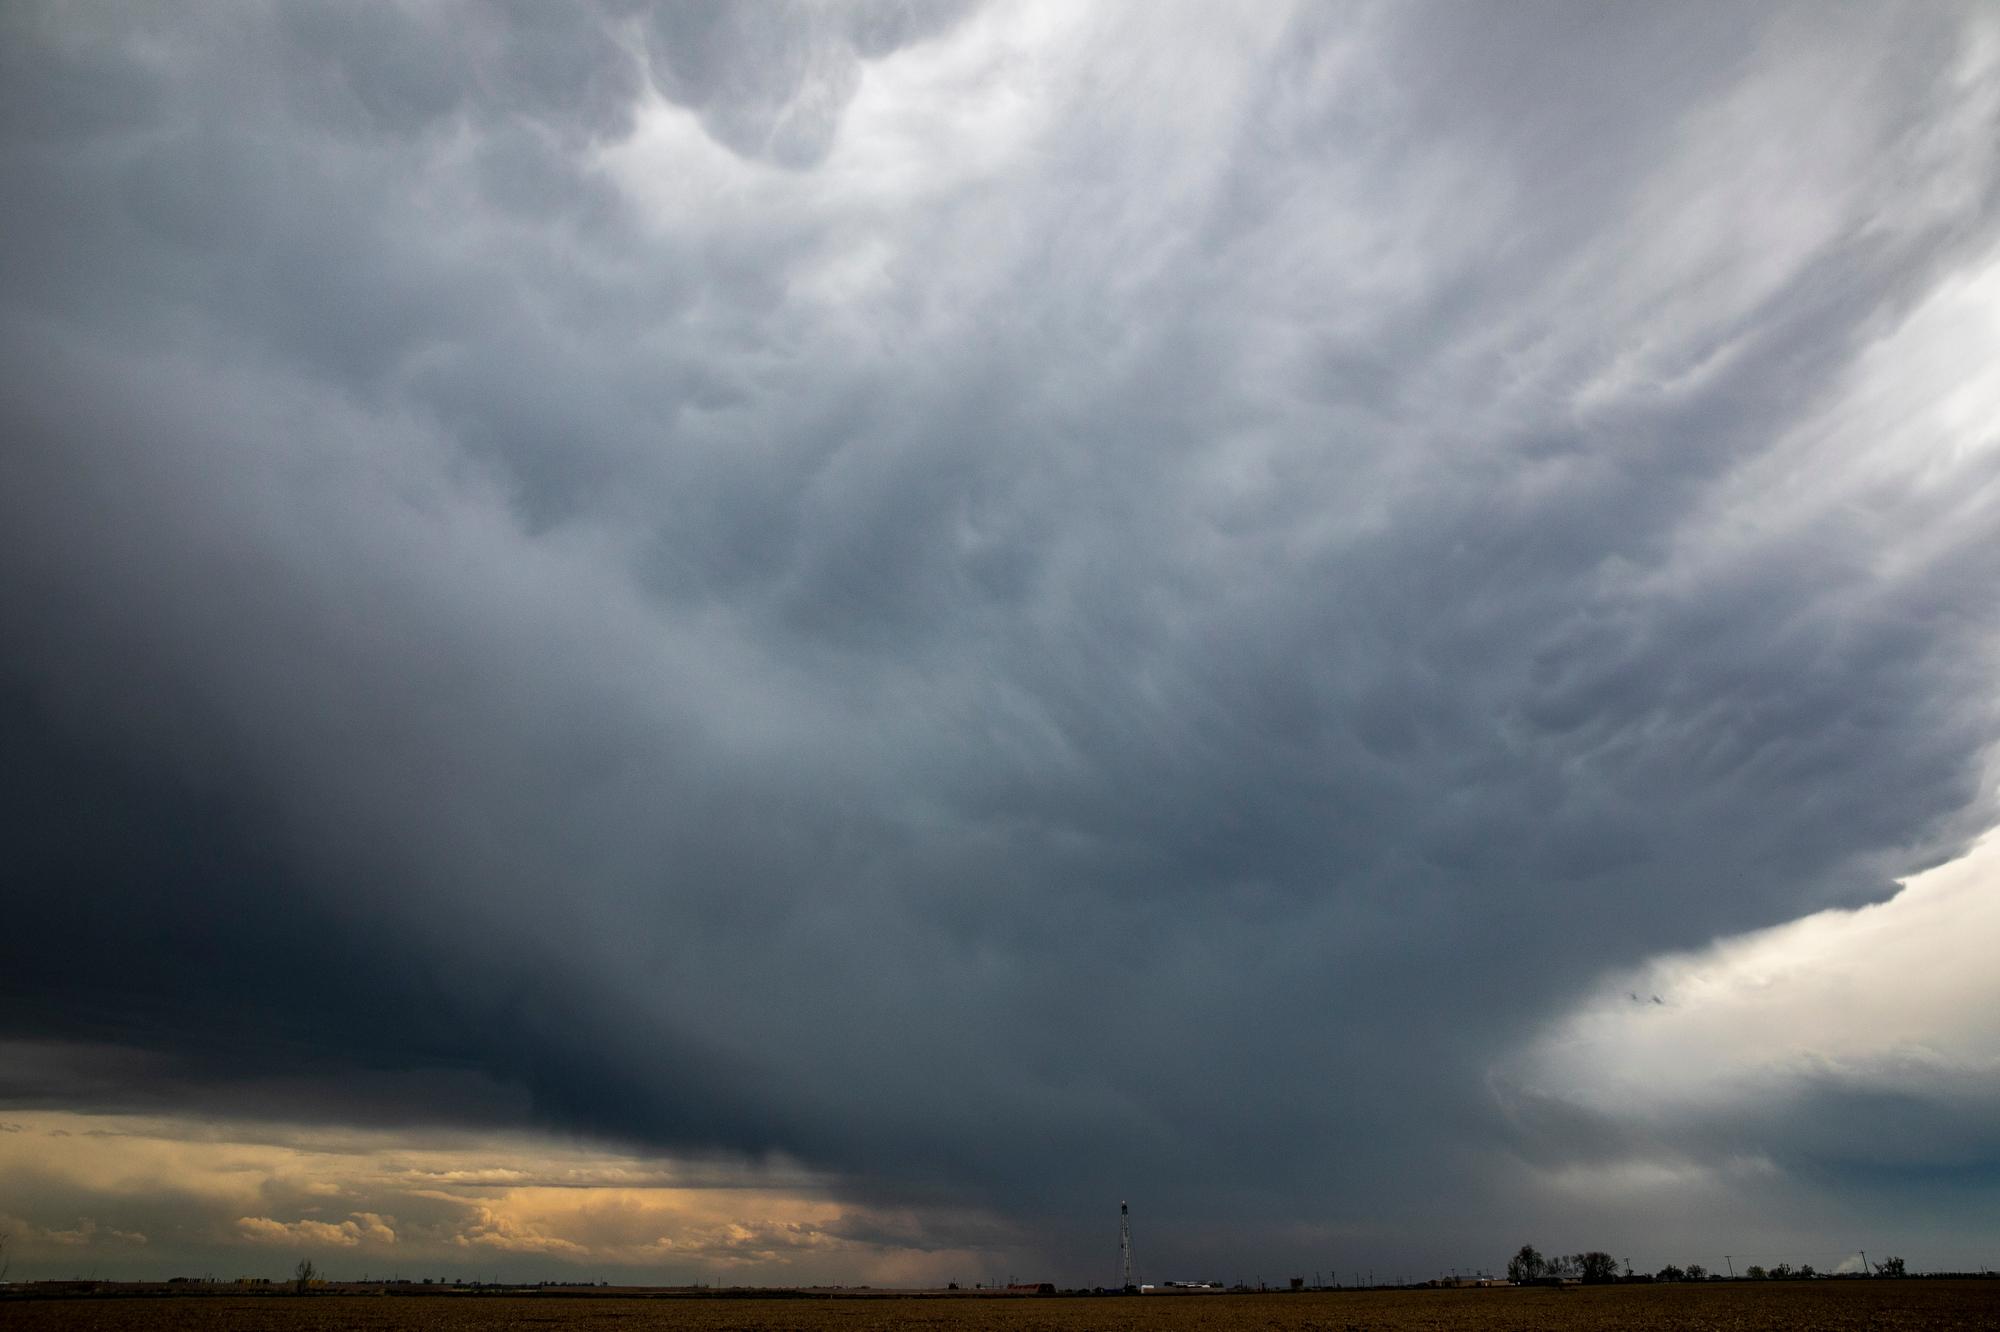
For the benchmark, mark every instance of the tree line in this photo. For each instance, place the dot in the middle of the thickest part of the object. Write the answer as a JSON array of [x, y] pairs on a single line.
[[1597, 1268]]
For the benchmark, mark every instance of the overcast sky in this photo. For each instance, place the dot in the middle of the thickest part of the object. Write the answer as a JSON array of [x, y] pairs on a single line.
[[809, 642]]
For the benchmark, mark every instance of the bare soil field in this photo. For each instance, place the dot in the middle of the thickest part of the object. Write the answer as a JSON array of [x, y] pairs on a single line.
[[1930, 1305]]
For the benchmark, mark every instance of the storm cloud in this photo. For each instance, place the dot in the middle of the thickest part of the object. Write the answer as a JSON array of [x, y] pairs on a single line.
[[1024, 605]]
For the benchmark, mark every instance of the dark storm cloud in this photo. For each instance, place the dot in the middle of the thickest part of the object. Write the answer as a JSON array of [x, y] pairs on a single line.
[[1142, 643]]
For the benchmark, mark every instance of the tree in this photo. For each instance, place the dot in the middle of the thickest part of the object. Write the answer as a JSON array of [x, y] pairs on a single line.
[[304, 1275], [1526, 1265], [1890, 1267], [1696, 1272], [1755, 1273], [1597, 1267], [1807, 1272], [1670, 1273]]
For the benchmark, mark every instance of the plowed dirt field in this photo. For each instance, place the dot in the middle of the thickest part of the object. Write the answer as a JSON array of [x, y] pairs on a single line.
[[1777, 1307]]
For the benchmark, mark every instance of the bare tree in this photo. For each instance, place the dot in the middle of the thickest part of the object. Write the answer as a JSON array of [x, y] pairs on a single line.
[[304, 1275], [1526, 1265], [1596, 1267]]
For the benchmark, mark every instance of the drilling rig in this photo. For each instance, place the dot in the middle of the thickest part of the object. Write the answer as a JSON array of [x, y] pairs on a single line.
[[1125, 1245]]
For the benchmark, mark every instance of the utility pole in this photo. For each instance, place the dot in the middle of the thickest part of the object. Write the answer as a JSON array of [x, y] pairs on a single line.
[[1864, 1263], [1732, 1265], [1125, 1243]]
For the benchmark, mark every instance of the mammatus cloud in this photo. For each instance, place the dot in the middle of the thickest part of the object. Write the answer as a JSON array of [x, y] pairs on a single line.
[[1018, 605], [775, 82]]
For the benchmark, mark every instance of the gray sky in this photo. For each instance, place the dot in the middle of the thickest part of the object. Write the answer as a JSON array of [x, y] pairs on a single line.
[[938, 615]]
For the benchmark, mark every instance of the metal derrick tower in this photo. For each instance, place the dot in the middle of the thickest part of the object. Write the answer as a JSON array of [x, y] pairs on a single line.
[[1125, 1243]]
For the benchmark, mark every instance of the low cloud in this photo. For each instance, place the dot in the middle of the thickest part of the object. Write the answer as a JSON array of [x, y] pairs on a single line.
[[360, 1228], [85, 1234], [581, 1210], [494, 1229]]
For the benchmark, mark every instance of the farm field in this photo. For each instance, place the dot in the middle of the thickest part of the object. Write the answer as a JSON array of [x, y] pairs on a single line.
[[1931, 1305]]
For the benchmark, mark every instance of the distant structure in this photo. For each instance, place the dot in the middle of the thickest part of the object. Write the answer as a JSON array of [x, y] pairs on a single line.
[[1125, 1243]]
